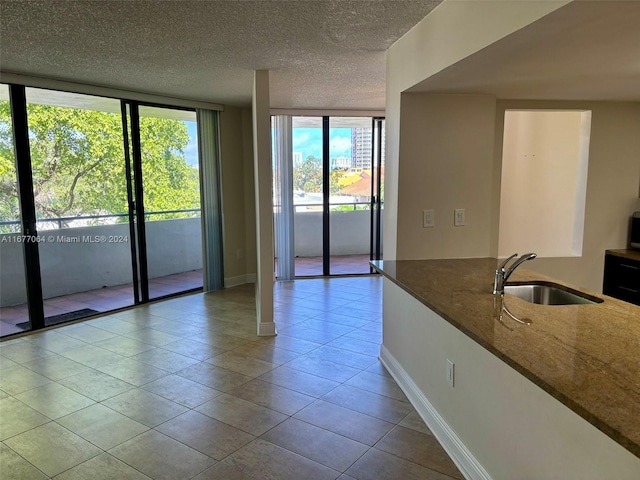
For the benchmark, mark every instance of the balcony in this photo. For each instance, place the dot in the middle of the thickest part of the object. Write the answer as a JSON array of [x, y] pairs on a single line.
[[350, 243], [90, 268]]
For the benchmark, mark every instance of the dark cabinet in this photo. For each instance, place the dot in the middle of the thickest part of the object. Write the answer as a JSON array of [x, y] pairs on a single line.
[[622, 277]]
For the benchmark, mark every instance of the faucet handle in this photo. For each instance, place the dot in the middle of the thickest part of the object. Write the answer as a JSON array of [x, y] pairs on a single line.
[[504, 263]]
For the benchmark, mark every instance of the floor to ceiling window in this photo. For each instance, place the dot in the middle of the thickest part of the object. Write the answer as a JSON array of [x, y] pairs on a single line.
[[13, 292], [337, 186], [171, 188], [115, 203]]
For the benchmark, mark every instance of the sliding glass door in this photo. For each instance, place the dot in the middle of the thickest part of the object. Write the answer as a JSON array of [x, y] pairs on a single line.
[[79, 189], [377, 187], [350, 180], [308, 195], [337, 190], [171, 191], [14, 308], [100, 211]]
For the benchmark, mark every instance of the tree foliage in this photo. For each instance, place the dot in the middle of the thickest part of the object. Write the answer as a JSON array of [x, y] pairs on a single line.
[[307, 176], [78, 166]]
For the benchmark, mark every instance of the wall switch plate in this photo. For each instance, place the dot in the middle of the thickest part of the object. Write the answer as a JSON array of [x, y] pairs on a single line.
[[428, 218], [458, 217], [450, 372]]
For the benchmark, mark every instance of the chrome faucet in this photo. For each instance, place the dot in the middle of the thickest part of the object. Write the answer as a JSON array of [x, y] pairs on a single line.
[[503, 273]]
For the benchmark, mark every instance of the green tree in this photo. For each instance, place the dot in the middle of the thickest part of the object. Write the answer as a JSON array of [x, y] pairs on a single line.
[[8, 201], [78, 165], [308, 175]]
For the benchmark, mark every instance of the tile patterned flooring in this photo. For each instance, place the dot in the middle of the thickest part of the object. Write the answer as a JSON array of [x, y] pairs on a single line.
[[339, 265], [120, 296], [183, 389], [100, 300]]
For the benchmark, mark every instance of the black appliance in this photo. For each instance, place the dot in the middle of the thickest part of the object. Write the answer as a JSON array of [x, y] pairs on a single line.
[[635, 230]]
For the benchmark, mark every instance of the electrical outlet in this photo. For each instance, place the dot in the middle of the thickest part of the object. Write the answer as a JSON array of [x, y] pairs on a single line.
[[451, 367], [428, 218], [458, 217]]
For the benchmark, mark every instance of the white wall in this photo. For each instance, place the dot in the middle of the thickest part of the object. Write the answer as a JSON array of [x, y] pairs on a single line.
[[612, 185], [173, 246], [544, 176], [510, 426], [350, 233]]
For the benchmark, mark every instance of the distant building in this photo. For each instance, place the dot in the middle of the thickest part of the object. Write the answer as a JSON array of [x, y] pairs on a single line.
[[361, 147], [341, 162], [297, 158]]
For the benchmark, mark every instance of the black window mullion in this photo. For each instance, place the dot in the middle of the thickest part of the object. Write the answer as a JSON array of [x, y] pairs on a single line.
[[378, 194], [139, 200], [17, 95], [326, 248], [130, 204], [372, 204]]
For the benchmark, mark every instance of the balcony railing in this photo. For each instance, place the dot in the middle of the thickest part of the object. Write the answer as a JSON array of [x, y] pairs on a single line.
[[349, 231], [78, 259], [60, 220], [173, 246]]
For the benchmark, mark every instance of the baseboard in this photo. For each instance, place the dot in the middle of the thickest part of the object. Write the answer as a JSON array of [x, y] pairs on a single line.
[[459, 453], [267, 329], [239, 280]]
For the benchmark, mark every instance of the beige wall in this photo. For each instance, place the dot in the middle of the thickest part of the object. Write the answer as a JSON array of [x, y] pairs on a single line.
[[453, 31], [413, 151], [262, 170], [445, 162], [612, 185], [249, 195], [450, 156], [237, 195]]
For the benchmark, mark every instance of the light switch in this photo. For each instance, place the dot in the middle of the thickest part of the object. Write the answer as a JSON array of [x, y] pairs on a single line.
[[451, 370], [428, 218], [458, 217]]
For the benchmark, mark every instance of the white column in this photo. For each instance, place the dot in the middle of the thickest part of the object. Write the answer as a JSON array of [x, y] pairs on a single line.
[[264, 203]]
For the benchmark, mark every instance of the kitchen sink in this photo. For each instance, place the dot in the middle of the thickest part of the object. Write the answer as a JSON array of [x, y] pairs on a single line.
[[547, 293]]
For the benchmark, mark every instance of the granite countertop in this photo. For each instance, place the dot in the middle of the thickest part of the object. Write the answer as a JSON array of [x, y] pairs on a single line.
[[586, 356], [630, 254]]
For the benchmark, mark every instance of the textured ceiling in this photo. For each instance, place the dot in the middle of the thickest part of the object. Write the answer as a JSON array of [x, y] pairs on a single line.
[[586, 50], [321, 54]]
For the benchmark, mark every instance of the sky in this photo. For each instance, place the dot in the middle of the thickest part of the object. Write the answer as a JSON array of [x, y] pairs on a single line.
[[191, 151], [308, 141]]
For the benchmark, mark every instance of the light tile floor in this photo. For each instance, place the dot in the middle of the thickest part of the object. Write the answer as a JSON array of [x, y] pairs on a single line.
[[120, 296], [100, 300], [184, 389], [338, 265]]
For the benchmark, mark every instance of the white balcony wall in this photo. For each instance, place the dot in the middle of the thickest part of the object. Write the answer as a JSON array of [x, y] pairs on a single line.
[[350, 232], [173, 246]]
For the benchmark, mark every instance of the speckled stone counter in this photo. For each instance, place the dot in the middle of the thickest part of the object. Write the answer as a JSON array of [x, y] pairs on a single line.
[[585, 356], [630, 254]]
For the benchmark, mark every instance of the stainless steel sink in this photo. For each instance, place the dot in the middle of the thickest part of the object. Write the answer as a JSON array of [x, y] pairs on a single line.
[[547, 293]]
